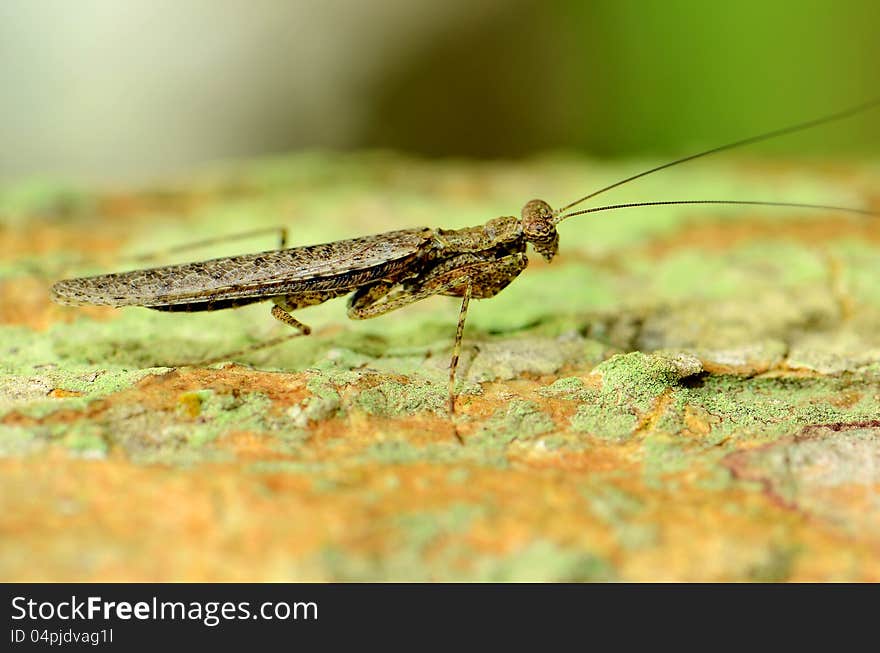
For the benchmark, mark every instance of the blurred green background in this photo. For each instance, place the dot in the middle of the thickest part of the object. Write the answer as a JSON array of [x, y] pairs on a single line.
[[130, 91]]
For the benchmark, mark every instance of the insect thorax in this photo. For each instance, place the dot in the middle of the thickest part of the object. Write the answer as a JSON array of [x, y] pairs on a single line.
[[538, 228], [498, 233]]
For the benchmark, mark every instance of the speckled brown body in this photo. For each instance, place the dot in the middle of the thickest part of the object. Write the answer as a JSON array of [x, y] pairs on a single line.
[[210, 285], [400, 261], [382, 273]]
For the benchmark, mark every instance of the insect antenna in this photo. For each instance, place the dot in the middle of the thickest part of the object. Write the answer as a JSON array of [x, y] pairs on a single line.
[[630, 205], [840, 115]]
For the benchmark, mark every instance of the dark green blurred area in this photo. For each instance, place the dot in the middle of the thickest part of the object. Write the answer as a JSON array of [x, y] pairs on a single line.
[[136, 90], [641, 76]]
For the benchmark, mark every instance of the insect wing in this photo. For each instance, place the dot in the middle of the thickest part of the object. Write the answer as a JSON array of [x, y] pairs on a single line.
[[313, 267]]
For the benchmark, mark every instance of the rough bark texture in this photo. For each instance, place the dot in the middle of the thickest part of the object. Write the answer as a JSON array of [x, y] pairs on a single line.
[[683, 394]]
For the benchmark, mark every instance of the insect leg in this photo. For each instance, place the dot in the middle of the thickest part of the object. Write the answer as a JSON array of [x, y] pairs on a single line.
[[280, 311], [487, 277], [282, 315], [482, 279], [371, 301], [366, 302], [376, 300], [456, 347]]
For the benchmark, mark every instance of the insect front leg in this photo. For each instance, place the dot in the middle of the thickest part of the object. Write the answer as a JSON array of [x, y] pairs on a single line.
[[488, 279], [480, 279]]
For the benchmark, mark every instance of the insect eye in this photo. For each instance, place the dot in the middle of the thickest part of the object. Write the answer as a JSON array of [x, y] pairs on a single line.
[[532, 229], [538, 229]]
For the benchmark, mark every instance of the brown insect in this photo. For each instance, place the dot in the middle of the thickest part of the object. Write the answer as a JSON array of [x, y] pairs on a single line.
[[384, 272]]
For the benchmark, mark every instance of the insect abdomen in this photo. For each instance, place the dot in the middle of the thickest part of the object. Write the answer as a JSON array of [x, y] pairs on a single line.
[[216, 305]]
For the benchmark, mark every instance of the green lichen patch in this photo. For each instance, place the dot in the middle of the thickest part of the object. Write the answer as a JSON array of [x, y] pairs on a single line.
[[638, 378], [176, 435], [518, 420], [630, 386], [607, 421], [569, 387], [221, 413], [391, 398], [55, 390], [337, 393], [324, 403], [769, 408]]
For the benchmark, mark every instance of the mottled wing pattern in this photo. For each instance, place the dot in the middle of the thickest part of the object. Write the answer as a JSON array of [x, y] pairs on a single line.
[[314, 267]]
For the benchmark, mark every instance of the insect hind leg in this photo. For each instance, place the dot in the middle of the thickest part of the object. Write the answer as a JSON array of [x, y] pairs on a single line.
[[280, 311], [176, 249]]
